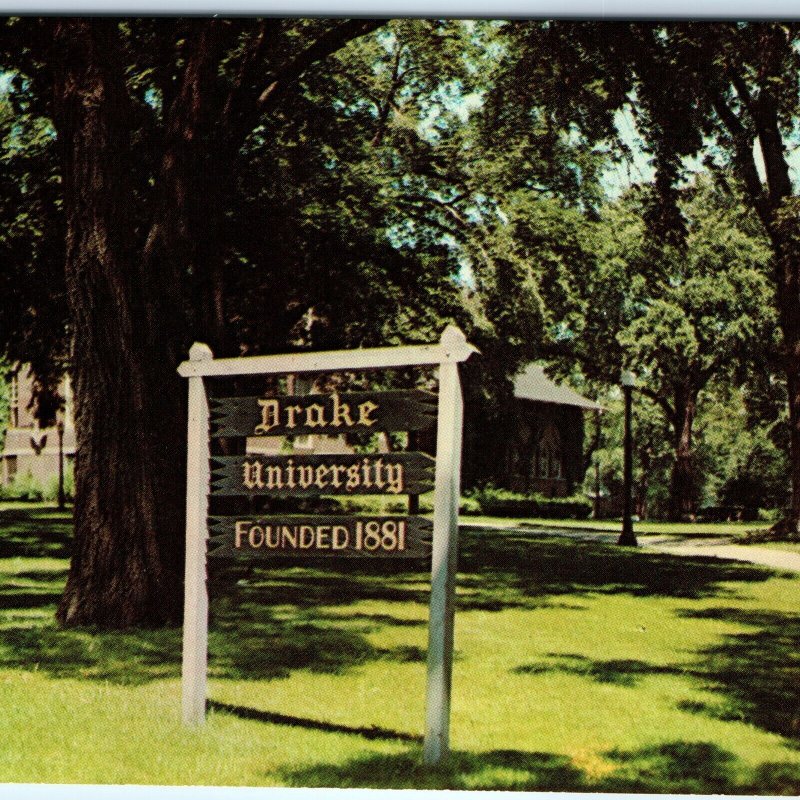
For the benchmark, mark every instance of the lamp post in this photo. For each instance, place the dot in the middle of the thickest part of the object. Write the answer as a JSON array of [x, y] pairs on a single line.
[[596, 507], [627, 537]]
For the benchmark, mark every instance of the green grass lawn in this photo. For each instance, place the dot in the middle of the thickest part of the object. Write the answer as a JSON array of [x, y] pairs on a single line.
[[786, 547], [642, 528], [578, 667]]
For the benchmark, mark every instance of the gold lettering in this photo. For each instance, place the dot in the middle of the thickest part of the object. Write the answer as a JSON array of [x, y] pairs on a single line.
[[352, 477], [340, 536], [322, 471], [395, 478], [256, 536], [274, 477], [365, 473], [364, 410], [289, 535], [341, 413], [290, 474], [241, 530], [306, 536], [335, 470], [251, 475], [305, 476], [291, 413], [273, 537], [270, 416], [322, 537], [315, 416], [378, 477]]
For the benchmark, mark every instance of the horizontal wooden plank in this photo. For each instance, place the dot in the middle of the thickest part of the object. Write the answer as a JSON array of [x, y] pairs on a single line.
[[314, 475], [332, 360], [396, 410], [321, 536]]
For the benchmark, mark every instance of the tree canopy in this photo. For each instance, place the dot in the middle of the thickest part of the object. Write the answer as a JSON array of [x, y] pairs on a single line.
[[283, 183]]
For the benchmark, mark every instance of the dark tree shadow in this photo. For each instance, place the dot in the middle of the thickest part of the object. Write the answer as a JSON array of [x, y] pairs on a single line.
[[531, 565], [35, 532], [671, 768], [618, 671], [499, 769], [756, 672], [269, 618], [272, 718]]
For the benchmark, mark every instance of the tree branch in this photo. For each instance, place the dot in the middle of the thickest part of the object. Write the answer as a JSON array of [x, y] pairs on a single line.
[[327, 44], [388, 102], [659, 400], [742, 154]]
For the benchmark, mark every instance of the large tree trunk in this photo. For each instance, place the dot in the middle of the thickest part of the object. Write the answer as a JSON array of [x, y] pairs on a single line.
[[683, 485], [786, 241], [132, 282], [126, 562]]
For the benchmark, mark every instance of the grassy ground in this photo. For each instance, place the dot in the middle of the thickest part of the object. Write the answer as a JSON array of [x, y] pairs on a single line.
[[787, 547], [578, 667], [642, 528]]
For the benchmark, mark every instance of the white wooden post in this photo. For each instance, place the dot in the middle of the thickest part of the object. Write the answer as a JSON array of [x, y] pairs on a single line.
[[443, 564], [451, 349], [195, 609]]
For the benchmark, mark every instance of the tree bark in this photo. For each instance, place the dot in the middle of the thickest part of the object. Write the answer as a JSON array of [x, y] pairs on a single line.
[[786, 241], [125, 568], [141, 288], [683, 485]]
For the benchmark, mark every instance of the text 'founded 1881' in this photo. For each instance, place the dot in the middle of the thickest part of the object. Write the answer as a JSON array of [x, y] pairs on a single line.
[[320, 535]]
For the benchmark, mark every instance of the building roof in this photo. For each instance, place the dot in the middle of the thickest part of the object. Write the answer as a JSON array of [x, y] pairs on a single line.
[[533, 384]]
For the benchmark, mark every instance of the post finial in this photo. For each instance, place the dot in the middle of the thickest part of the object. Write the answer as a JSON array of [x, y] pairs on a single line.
[[200, 352], [452, 336]]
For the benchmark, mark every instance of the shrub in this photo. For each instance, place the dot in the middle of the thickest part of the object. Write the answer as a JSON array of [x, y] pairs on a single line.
[[505, 503], [369, 504], [469, 505], [50, 489], [23, 487]]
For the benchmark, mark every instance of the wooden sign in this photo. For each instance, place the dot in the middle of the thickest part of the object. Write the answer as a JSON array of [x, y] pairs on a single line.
[[332, 414], [314, 475], [321, 535], [309, 475]]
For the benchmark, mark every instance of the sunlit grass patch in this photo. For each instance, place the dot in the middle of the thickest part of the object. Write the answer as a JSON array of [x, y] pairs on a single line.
[[578, 667]]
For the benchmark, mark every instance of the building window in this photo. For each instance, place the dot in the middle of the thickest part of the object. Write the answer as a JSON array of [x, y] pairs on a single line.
[[547, 460], [11, 468]]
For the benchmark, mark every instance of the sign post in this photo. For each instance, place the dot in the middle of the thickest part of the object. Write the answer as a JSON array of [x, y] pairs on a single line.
[[308, 475], [195, 603], [443, 558]]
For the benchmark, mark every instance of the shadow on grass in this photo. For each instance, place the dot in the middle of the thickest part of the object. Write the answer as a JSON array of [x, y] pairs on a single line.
[[263, 650], [675, 767], [757, 672], [494, 562], [35, 532], [373, 732], [617, 671], [267, 621], [753, 674]]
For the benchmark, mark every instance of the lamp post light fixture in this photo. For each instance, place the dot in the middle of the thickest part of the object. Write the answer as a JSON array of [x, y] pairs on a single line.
[[627, 537]]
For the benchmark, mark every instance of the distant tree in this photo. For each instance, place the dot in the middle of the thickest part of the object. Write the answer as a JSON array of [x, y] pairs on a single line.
[[680, 317], [721, 90]]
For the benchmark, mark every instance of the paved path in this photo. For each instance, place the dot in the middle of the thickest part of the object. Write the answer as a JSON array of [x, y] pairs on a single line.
[[711, 547], [720, 548]]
